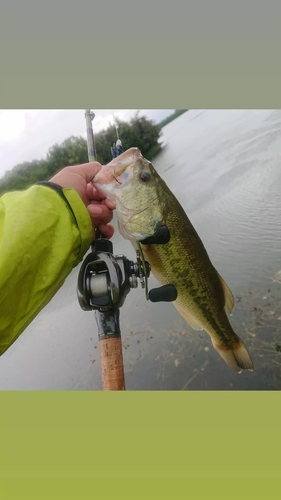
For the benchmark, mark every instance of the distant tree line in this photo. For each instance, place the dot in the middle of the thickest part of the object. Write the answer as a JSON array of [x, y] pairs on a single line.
[[139, 132], [171, 117]]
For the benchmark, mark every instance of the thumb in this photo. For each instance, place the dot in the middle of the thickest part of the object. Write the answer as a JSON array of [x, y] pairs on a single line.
[[88, 170]]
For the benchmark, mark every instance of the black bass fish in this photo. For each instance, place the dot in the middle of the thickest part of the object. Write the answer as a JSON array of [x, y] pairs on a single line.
[[143, 203]]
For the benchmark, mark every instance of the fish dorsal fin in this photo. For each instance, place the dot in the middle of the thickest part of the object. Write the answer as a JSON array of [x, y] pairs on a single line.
[[188, 317], [229, 301]]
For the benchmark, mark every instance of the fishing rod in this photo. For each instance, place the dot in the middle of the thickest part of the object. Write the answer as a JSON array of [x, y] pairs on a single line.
[[116, 128], [93, 293], [105, 280]]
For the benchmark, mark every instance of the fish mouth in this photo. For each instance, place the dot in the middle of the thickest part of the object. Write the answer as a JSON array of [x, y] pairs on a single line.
[[117, 167], [103, 180]]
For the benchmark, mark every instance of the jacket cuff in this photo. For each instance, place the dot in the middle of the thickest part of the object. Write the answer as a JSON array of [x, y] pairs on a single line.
[[82, 218], [79, 212]]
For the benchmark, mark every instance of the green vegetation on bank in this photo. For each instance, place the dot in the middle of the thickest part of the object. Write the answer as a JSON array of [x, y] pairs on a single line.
[[139, 132]]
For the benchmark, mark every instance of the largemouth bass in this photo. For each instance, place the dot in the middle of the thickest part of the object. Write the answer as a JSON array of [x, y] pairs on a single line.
[[143, 203]]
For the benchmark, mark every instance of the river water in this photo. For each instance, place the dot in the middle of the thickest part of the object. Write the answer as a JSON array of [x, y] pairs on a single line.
[[224, 166]]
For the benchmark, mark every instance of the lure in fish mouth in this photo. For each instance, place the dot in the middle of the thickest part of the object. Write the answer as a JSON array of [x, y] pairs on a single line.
[[143, 203]]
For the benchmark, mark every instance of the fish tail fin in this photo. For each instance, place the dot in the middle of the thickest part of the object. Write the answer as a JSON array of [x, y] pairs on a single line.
[[236, 356]]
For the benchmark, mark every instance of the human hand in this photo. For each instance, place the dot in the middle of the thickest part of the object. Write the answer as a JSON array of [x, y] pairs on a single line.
[[79, 178]]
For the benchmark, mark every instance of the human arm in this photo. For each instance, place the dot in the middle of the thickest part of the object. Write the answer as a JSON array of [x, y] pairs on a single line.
[[45, 232]]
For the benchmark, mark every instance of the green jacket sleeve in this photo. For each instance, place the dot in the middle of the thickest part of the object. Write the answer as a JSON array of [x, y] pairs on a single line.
[[44, 233]]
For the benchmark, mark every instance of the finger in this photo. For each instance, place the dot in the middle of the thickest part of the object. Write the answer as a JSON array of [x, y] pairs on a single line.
[[108, 204], [88, 170], [100, 213], [97, 195], [90, 191], [107, 230], [105, 202]]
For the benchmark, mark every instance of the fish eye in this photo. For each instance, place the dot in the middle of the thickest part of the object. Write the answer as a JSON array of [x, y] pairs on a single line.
[[144, 176]]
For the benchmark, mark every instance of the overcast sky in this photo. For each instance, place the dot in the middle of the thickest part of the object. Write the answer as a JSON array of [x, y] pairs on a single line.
[[27, 135]]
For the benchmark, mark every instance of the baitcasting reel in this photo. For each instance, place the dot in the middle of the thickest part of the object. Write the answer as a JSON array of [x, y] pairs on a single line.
[[105, 280]]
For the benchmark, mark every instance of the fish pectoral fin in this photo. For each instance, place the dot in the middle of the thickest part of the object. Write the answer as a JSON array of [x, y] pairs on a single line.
[[229, 301], [188, 318]]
